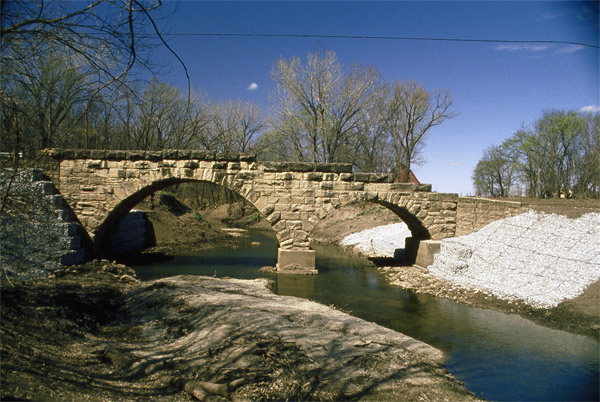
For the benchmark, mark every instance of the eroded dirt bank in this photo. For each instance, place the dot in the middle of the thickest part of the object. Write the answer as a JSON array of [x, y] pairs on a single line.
[[95, 333]]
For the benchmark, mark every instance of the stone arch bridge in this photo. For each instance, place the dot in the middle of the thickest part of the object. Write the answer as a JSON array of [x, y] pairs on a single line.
[[101, 187]]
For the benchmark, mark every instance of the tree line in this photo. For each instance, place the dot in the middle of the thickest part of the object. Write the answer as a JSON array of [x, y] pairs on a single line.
[[558, 156], [69, 81]]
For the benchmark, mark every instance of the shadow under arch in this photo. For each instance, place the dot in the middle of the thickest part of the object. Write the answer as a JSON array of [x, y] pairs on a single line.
[[101, 241]]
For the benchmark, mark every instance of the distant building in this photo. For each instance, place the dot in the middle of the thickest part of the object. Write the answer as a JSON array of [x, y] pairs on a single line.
[[411, 178]]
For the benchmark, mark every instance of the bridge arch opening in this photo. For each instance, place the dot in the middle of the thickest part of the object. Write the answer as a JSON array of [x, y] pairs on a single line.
[[418, 231], [337, 221], [105, 232]]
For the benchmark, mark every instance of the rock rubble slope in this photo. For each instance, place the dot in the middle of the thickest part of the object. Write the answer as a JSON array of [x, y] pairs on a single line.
[[381, 241], [540, 258]]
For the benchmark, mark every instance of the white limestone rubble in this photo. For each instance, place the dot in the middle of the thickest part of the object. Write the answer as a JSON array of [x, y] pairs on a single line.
[[540, 258], [381, 241]]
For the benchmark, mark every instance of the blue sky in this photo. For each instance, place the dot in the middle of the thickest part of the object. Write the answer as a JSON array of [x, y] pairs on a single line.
[[496, 87]]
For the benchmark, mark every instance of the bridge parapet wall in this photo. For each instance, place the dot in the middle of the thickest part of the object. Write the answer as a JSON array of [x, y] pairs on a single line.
[[475, 213]]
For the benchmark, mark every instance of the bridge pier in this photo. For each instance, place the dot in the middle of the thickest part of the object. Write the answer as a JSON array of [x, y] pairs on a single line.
[[293, 261]]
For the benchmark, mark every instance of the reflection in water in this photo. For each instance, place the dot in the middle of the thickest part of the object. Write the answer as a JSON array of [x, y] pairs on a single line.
[[498, 356]]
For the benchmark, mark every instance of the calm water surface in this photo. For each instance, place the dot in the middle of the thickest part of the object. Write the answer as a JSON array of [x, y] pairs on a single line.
[[498, 356]]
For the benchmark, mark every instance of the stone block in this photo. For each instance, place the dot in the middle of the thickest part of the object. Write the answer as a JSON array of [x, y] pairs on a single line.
[[427, 250], [230, 157], [135, 155], [202, 155], [289, 215], [219, 165], [314, 176], [423, 187], [293, 224], [346, 176], [274, 217], [191, 165], [291, 261], [169, 154], [362, 177], [380, 178], [153, 156], [357, 186]]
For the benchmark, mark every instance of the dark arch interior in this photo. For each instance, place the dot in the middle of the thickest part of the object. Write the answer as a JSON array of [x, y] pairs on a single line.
[[418, 231], [106, 231]]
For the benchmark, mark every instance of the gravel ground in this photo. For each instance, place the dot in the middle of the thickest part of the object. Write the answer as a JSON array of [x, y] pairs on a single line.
[[540, 258]]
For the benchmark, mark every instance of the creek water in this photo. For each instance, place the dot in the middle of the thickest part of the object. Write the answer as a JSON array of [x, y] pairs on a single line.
[[498, 356]]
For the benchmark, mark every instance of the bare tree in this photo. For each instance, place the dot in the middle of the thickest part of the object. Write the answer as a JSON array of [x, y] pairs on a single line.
[[372, 148], [318, 104], [234, 126], [412, 112], [105, 35], [48, 90], [164, 118], [103, 39]]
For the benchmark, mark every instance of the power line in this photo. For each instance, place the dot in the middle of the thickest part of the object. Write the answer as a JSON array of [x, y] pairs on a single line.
[[406, 38]]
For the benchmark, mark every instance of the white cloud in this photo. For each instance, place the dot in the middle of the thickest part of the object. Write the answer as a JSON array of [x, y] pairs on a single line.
[[253, 86], [569, 49], [590, 109], [514, 47]]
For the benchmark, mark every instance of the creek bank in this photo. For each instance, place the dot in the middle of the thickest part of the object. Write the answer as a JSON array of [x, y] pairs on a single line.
[[95, 332]]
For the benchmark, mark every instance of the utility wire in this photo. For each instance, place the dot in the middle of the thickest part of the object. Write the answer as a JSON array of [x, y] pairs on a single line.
[[407, 38]]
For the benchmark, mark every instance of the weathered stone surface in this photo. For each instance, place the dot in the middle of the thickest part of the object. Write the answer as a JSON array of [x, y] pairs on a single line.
[[296, 261], [474, 213]]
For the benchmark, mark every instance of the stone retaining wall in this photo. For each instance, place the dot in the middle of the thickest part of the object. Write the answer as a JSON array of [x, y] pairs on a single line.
[[474, 213]]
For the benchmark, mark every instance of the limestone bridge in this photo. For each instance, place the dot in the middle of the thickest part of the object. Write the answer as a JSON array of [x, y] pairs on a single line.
[[101, 187]]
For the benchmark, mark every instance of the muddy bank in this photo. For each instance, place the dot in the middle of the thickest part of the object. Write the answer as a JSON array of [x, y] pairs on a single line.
[[95, 333]]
